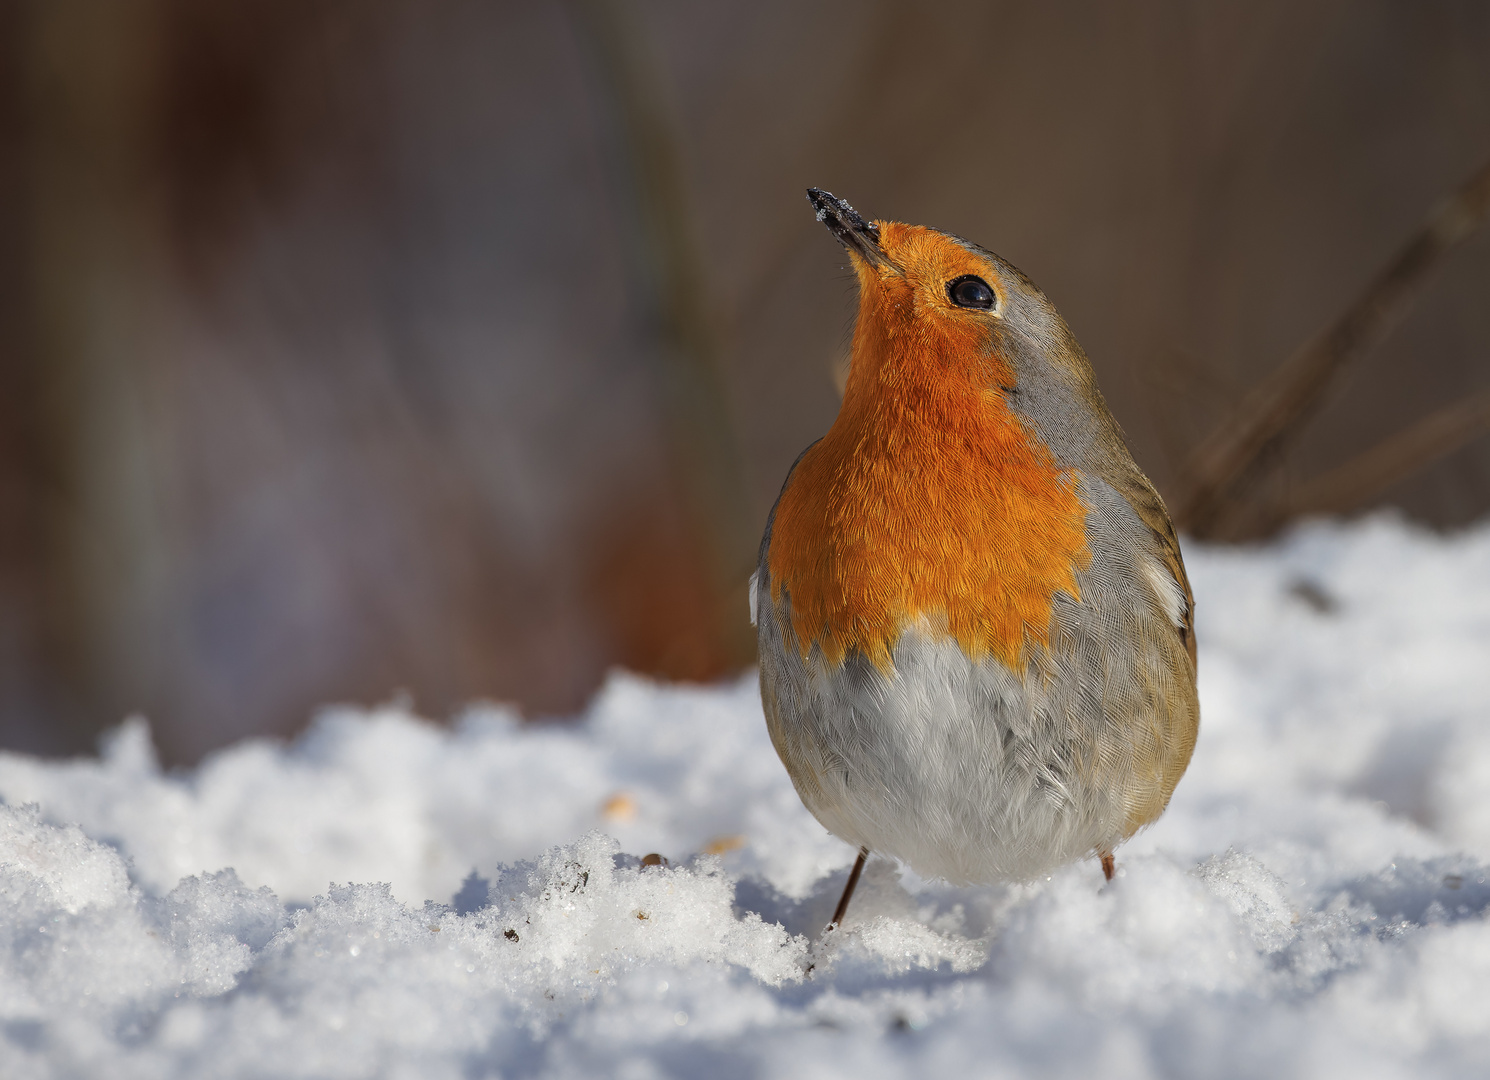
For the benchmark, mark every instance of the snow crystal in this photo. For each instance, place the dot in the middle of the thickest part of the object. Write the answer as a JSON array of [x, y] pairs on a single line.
[[387, 897]]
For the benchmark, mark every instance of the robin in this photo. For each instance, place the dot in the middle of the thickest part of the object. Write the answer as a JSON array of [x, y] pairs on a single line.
[[976, 634]]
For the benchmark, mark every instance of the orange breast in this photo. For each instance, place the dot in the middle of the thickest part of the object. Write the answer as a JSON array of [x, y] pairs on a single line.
[[927, 500]]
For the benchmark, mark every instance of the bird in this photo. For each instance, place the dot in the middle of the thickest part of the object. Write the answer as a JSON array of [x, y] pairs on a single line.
[[976, 633]]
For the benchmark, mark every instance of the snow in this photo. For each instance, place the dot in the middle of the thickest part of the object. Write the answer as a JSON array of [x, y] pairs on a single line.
[[387, 897]]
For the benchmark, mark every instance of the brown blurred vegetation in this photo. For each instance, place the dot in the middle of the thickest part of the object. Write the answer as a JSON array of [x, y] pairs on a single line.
[[460, 348]]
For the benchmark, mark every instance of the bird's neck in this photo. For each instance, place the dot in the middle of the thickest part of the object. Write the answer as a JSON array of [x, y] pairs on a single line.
[[927, 503]]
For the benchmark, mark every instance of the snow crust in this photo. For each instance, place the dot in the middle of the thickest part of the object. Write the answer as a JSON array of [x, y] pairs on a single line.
[[386, 897]]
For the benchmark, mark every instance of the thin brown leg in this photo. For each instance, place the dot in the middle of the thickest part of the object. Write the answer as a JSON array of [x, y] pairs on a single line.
[[1109, 865], [848, 890]]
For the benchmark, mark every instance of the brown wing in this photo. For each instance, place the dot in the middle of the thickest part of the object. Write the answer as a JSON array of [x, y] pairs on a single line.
[[1135, 487]]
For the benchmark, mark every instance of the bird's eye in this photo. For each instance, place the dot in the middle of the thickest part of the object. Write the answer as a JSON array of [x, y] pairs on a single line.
[[971, 292]]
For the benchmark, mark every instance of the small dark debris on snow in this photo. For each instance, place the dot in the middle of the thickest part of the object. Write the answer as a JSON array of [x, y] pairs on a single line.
[[1314, 596]]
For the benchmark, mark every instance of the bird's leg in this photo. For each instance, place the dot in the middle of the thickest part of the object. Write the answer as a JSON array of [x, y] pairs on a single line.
[[848, 890], [1109, 865]]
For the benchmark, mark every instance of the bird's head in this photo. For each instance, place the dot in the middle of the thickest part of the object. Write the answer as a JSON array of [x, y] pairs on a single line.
[[923, 294], [941, 317]]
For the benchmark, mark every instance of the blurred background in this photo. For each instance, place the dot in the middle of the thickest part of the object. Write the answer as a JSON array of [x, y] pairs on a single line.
[[351, 348]]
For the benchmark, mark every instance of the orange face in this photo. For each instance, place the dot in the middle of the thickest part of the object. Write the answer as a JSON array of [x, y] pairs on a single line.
[[929, 502]]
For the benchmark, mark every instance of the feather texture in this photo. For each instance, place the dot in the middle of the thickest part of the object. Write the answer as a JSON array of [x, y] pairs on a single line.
[[975, 626]]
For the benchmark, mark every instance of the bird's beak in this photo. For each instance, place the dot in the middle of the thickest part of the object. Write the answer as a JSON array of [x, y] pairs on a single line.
[[849, 229]]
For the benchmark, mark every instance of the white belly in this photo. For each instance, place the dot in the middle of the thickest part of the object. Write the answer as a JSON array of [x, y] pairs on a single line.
[[965, 771]]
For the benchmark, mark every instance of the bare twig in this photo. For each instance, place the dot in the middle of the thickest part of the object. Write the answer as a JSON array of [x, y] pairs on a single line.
[[1247, 447], [1391, 461]]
